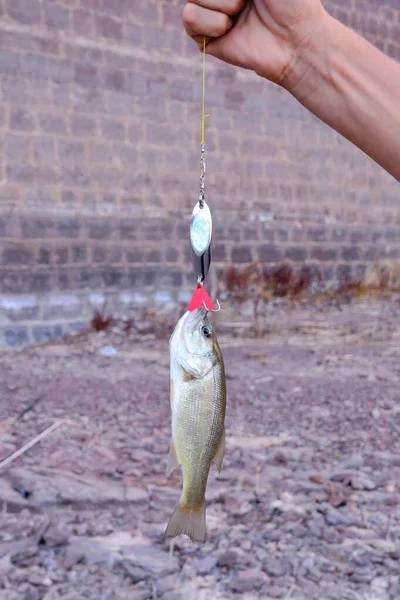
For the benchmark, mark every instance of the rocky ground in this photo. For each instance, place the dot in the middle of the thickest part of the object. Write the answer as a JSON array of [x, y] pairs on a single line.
[[306, 506]]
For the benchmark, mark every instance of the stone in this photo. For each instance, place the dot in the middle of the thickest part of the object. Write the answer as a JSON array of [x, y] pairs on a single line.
[[276, 567], [247, 581], [55, 535], [362, 482], [72, 557], [166, 584], [333, 516], [203, 565], [136, 573], [228, 559], [151, 558], [136, 495]]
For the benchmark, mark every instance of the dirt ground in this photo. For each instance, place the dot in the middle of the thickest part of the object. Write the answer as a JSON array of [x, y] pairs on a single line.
[[306, 506]]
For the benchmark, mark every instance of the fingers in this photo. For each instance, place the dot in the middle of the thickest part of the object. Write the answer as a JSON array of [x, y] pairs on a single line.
[[227, 7], [200, 21]]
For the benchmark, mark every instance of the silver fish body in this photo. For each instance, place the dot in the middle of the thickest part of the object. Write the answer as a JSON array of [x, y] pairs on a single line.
[[198, 398]]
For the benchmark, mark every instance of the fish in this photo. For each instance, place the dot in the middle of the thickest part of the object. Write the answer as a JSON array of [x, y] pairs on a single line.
[[198, 403]]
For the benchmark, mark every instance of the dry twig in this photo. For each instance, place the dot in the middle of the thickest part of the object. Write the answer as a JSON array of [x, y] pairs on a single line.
[[32, 443]]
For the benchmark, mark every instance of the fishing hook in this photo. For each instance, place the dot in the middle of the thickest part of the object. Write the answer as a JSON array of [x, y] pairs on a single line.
[[212, 309]]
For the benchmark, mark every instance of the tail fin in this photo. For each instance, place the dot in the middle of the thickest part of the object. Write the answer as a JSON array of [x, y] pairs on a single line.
[[190, 522]]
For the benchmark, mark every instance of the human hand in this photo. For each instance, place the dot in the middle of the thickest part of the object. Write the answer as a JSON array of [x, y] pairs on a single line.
[[266, 36]]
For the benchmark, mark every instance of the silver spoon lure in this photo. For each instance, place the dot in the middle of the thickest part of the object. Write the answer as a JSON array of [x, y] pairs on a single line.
[[201, 229]]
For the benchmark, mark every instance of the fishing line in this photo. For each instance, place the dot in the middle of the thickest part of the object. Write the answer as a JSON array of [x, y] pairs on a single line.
[[203, 103], [201, 223]]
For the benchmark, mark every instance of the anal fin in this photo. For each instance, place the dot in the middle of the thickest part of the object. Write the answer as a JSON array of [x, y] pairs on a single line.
[[219, 455], [173, 460]]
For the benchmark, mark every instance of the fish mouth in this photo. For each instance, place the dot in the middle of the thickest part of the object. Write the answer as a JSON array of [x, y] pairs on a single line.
[[196, 317]]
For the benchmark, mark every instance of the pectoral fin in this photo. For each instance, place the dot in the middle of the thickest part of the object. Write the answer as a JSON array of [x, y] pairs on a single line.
[[196, 367], [173, 460], [219, 456]]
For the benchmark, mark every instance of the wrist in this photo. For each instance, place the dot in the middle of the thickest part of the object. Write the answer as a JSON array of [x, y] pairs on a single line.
[[309, 60]]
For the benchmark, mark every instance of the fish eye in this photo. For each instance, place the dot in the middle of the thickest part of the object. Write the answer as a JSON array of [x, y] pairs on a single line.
[[206, 331]]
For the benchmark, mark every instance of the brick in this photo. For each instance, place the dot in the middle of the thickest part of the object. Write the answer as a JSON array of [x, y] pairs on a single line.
[[392, 235], [16, 147], [115, 255], [82, 126], [323, 254], [62, 256], [119, 104], [269, 253], [89, 100], [112, 129], [100, 229], [79, 253], [359, 235], [171, 255], [37, 66], [71, 151], [40, 198], [117, 8], [250, 233], [148, 13], [83, 22], [17, 254], [128, 230], [105, 178], [343, 272], [47, 174], [21, 119], [17, 308], [351, 253], [374, 253], [75, 175], [241, 254], [43, 256], [67, 227], [16, 336], [133, 34], [135, 133], [283, 235], [296, 253], [20, 173], [56, 15], [113, 79], [126, 154], [36, 227], [99, 254], [43, 148], [25, 11], [316, 234], [339, 235], [153, 255], [155, 39], [151, 158], [87, 75], [52, 122], [108, 27], [9, 62], [113, 277], [100, 152], [156, 230], [69, 200], [134, 255], [267, 233]]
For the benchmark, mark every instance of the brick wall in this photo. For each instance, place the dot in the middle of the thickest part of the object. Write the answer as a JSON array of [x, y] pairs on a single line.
[[99, 125]]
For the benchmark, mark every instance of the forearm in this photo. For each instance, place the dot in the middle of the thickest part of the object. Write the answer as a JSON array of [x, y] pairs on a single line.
[[352, 87]]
